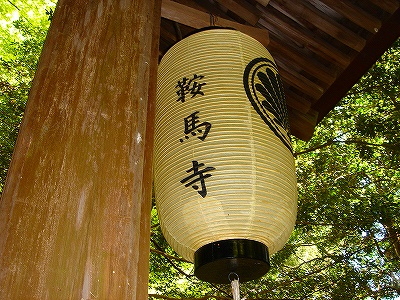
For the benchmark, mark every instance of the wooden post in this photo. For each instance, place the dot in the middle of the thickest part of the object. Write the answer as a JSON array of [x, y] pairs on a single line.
[[74, 217]]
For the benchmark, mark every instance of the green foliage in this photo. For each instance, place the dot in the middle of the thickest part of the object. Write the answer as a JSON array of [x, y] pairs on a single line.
[[23, 30], [346, 244]]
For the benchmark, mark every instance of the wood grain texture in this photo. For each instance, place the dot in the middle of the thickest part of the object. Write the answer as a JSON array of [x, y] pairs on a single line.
[[197, 19], [74, 217]]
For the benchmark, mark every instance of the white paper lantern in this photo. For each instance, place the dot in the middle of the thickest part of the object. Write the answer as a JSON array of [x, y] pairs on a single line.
[[224, 172]]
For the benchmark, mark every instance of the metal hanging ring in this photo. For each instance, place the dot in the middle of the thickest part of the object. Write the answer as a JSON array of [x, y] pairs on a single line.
[[213, 19], [233, 274]]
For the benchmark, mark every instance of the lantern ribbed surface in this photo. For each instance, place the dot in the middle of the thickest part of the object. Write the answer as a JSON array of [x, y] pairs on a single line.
[[223, 166]]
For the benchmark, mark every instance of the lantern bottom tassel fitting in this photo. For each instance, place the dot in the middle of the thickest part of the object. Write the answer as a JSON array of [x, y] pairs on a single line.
[[247, 258]]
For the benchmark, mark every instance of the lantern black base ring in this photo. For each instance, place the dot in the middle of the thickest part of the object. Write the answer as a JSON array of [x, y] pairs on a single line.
[[215, 261]]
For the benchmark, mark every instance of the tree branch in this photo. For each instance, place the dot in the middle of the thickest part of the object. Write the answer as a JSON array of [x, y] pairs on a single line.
[[367, 89], [13, 4], [393, 236], [349, 141], [339, 259], [157, 296], [328, 143], [169, 256], [189, 276], [19, 10]]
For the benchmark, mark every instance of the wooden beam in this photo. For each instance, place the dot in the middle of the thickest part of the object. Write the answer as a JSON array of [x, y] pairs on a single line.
[[389, 6], [297, 80], [263, 2], [297, 102], [302, 125], [307, 14], [310, 66], [376, 46], [197, 19], [355, 14], [273, 22], [243, 9], [75, 210]]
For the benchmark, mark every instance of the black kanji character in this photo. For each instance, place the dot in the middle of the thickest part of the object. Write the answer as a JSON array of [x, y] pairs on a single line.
[[193, 127], [198, 175], [191, 86]]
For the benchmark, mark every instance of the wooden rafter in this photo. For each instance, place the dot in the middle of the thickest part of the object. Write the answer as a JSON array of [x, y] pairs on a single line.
[[198, 19]]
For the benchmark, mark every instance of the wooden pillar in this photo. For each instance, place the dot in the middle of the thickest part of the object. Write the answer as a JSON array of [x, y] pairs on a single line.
[[74, 217]]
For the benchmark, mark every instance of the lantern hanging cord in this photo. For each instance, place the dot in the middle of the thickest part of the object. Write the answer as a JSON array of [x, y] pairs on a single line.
[[234, 279]]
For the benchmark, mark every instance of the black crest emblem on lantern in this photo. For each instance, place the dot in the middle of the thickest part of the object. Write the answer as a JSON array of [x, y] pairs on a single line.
[[264, 90]]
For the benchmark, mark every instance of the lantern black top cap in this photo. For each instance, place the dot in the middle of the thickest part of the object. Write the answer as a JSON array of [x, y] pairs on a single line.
[[201, 30], [208, 28]]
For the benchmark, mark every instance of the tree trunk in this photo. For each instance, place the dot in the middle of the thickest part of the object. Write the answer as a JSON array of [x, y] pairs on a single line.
[[394, 238], [74, 217]]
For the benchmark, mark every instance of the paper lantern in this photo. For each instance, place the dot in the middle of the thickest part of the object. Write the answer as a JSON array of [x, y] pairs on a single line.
[[224, 173]]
